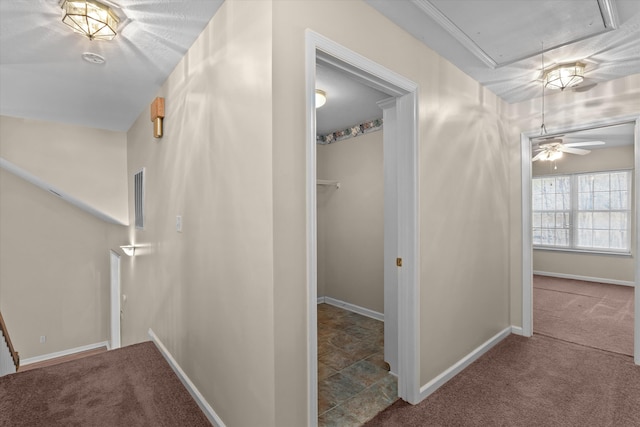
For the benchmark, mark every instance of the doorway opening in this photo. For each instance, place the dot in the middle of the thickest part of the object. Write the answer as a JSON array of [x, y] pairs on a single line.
[[401, 313], [354, 382], [577, 236]]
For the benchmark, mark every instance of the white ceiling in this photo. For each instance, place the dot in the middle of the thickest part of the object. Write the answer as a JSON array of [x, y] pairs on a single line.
[[349, 102], [499, 42], [42, 75]]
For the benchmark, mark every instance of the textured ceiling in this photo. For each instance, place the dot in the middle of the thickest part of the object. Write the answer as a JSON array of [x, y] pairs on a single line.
[[42, 74], [498, 42]]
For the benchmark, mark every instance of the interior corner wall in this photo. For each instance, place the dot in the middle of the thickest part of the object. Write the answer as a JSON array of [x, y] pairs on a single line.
[[606, 267], [86, 164], [207, 291], [54, 270], [613, 99], [350, 221], [463, 190]]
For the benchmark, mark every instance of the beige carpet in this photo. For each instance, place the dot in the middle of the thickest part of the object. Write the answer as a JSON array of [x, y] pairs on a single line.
[[592, 314], [537, 381], [131, 386]]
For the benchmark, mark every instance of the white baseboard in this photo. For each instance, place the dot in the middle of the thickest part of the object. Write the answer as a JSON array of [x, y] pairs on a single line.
[[195, 393], [454, 370], [36, 359], [352, 307], [585, 278], [320, 300], [517, 330]]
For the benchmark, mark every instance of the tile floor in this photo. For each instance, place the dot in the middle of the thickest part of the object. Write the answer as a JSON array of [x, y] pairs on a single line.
[[353, 382]]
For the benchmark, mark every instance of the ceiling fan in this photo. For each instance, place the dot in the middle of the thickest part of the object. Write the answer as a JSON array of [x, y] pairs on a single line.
[[552, 148]]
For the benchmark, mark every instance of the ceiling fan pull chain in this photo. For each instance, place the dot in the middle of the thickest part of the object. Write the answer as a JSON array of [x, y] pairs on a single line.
[[543, 128]]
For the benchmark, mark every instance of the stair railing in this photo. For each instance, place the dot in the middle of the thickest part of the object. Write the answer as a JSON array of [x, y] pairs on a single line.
[[14, 353]]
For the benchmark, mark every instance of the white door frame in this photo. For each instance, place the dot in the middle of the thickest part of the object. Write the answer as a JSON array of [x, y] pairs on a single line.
[[114, 342], [527, 246], [319, 48]]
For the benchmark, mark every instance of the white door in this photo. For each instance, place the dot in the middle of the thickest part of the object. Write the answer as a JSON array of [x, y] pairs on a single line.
[[115, 300]]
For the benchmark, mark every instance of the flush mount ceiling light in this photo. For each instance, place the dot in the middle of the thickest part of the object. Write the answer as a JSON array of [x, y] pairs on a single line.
[[321, 98], [564, 75], [90, 18]]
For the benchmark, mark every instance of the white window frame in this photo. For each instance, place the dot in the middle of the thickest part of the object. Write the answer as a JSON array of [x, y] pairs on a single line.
[[574, 212]]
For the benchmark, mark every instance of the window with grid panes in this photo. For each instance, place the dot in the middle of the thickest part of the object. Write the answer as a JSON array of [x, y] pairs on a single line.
[[586, 212], [552, 211]]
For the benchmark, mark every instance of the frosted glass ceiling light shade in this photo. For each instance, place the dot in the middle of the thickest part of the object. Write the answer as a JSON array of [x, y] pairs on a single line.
[[129, 250], [563, 76], [321, 98], [554, 155], [90, 18]]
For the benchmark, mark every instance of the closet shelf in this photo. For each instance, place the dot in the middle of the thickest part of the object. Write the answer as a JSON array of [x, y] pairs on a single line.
[[328, 182]]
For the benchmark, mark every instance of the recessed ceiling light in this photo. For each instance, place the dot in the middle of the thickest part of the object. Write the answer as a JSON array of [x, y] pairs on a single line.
[[93, 58]]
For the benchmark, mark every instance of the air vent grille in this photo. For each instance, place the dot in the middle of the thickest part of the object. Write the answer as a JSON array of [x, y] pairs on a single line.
[[138, 195]]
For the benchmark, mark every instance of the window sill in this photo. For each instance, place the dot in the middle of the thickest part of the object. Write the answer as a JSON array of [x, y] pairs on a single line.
[[583, 251]]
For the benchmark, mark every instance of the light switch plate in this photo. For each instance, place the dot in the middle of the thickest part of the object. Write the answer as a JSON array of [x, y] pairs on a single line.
[[179, 223]]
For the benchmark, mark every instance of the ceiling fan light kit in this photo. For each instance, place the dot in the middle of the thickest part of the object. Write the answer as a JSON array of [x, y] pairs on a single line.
[[90, 18], [564, 75]]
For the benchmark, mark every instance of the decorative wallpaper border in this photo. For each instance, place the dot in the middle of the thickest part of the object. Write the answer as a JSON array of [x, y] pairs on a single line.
[[352, 132]]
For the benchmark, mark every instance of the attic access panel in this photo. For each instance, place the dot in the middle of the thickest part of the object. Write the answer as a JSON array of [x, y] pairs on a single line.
[[501, 32]]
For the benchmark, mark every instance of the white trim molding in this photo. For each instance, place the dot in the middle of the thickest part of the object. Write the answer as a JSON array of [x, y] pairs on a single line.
[[319, 49], [29, 177], [63, 353], [607, 10], [188, 384], [584, 278], [517, 330], [527, 238], [527, 248], [430, 387], [354, 308]]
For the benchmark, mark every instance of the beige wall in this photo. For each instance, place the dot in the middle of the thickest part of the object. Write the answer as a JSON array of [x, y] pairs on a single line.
[[86, 164], [611, 267], [54, 257], [463, 189], [350, 221], [227, 295], [54, 270], [613, 99], [208, 292]]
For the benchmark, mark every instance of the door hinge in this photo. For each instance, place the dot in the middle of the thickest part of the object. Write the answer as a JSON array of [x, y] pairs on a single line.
[[399, 262]]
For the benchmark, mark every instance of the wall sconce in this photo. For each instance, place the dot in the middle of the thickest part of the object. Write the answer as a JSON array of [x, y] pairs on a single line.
[[129, 250], [157, 114]]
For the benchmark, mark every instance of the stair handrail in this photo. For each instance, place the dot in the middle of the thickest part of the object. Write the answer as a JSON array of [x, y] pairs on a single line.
[[14, 353]]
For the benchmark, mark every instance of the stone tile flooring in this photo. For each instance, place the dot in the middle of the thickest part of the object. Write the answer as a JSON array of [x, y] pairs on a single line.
[[353, 382]]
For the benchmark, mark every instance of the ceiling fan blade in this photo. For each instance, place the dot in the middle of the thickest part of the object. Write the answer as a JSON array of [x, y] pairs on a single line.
[[547, 139], [584, 143], [539, 156], [570, 150]]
